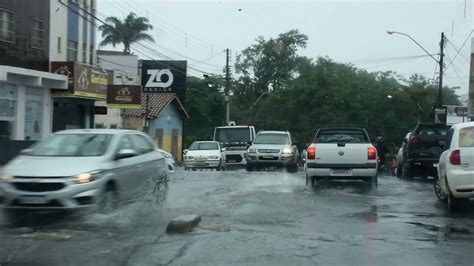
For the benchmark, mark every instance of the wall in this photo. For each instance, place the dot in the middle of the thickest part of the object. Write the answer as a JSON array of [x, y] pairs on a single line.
[[83, 29], [125, 71], [168, 120], [19, 52]]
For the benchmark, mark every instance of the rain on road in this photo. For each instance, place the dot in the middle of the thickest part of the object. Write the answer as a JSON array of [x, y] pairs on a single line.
[[257, 218]]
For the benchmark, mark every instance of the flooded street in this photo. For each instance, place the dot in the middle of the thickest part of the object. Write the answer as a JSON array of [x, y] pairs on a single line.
[[257, 218]]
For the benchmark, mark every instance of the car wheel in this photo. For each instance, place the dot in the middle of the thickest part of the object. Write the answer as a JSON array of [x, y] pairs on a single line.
[[437, 190], [399, 171], [454, 204], [407, 172], [373, 181], [186, 169], [108, 200], [250, 168], [312, 182]]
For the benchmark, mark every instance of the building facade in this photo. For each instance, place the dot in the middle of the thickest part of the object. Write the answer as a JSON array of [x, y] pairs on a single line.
[[26, 85], [166, 115], [125, 72], [73, 40]]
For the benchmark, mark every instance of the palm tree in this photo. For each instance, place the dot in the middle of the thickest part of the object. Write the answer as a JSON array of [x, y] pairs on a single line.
[[132, 29]]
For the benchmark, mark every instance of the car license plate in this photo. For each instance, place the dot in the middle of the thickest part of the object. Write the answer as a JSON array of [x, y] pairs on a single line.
[[232, 161], [268, 156], [341, 172], [33, 199]]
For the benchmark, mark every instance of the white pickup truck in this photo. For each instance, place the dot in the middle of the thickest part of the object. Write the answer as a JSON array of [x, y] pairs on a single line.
[[341, 153]]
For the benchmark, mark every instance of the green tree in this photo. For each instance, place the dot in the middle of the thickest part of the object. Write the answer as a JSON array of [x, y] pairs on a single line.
[[126, 32], [205, 105]]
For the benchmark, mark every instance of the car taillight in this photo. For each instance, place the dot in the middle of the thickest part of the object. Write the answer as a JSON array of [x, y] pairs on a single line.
[[455, 157], [414, 141], [371, 153], [311, 154]]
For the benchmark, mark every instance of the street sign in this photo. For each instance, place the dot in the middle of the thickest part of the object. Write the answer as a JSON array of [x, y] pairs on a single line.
[[124, 96]]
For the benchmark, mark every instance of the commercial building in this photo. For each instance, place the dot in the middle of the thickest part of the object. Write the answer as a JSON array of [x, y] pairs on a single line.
[[73, 53], [124, 68], [26, 84]]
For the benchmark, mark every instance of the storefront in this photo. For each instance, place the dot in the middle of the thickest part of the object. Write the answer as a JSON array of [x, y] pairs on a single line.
[[26, 103], [74, 108]]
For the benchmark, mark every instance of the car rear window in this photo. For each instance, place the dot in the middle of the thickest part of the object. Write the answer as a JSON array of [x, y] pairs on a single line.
[[341, 135], [466, 137], [432, 130]]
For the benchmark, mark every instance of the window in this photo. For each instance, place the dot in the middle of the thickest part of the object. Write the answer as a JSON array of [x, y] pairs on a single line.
[[466, 137], [59, 45], [84, 54], [142, 145], [125, 144], [6, 26], [7, 111], [272, 139], [204, 146], [73, 145], [113, 126], [37, 34], [71, 51], [99, 125], [91, 55]]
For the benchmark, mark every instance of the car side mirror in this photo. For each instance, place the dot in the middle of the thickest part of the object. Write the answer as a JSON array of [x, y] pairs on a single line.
[[125, 153], [26, 151], [405, 140], [185, 151], [222, 149]]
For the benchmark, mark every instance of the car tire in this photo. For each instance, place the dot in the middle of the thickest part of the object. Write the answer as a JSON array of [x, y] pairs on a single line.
[[108, 199], [250, 168], [454, 204], [292, 168], [399, 171], [186, 169], [437, 190], [373, 182], [407, 172]]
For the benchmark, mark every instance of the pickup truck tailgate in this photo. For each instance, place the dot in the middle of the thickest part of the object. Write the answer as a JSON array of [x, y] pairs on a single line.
[[342, 153]]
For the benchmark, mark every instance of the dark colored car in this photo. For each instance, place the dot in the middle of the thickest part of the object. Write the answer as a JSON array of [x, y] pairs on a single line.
[[423, 149]]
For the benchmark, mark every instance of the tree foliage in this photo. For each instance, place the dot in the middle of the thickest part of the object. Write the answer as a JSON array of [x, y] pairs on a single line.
[[310, 93], [126, 32]]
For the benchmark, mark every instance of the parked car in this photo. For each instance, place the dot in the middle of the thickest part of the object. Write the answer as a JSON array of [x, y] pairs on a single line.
[[75, 169], [456, 165], [273, 148], [400, 154], [422, 150], [204, 155], [341, 153], [170, 162]]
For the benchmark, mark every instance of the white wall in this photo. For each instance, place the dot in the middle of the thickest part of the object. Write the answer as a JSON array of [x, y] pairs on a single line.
[[59, 29], [125, 71]]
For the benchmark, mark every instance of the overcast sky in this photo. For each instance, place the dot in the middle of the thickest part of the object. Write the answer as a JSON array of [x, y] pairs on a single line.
[[346, 31]]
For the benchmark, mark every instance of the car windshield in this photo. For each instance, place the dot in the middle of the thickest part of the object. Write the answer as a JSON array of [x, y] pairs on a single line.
[[346, 136], [73, 145], [225, 135], [466, 137], [204, 146], [272, 139]]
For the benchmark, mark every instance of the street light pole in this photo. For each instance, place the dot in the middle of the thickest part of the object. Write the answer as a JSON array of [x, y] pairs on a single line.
[[440, 62], [227, 87]]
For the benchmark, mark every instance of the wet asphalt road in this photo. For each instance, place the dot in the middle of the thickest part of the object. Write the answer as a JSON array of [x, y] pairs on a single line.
[[258, 218]]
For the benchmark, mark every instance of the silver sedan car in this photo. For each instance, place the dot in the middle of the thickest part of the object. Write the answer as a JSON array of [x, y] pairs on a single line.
[[74, 169]]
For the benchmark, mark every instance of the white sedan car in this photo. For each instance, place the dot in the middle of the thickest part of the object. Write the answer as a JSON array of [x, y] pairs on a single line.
[[456, 165], [204, 155], [170, 162]]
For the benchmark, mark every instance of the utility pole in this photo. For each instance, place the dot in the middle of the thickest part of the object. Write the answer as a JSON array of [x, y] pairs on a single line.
[[440, 83], [227, 87]]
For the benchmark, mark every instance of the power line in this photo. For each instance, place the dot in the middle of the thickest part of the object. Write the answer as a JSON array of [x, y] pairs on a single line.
[[459, 50], [455, 70], [141, 52], [176, 53]]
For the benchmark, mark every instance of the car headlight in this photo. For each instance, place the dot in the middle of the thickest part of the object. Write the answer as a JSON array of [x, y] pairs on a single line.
[[6, 178], [213, 157], [87, 177], [287, 151], [188, 157], [252, 150]]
